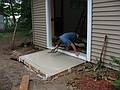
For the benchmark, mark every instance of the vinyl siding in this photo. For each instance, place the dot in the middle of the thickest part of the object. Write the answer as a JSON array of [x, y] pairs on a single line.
[[39, 23], [106, 20]]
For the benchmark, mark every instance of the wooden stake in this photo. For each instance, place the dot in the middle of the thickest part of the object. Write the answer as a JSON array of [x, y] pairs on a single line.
[[102, 53], [24, 83]]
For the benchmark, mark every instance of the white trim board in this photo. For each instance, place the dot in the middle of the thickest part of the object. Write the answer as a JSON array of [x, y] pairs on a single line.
[[86, 56], [89, 28]]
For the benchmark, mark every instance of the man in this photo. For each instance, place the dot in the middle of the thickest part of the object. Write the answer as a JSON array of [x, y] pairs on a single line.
[[68, 40]]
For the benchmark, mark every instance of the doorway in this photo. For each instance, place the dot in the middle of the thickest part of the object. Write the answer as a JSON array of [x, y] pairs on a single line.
[[71, 16]]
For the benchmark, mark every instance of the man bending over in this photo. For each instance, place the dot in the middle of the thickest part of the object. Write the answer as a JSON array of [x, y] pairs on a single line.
[[68, 40]]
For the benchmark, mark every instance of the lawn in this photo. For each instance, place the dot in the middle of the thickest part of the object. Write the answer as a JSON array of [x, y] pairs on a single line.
[[21, 34]]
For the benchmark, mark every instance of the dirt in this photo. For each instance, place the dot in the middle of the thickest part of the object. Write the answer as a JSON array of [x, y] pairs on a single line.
[[86, 82], [11, 71], [81, 78]]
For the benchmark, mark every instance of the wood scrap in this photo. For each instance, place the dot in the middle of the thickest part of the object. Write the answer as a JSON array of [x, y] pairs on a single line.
[[23, 51], [24, 83]]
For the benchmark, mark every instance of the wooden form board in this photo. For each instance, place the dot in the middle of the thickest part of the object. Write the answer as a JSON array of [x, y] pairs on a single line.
[[24, 83]]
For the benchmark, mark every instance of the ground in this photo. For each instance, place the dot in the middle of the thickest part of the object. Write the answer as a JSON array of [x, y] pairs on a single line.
[[10, 71], [81, 78]]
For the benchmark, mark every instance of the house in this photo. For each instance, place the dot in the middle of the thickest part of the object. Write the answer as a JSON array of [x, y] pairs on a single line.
[[103, 17], [92, 19]]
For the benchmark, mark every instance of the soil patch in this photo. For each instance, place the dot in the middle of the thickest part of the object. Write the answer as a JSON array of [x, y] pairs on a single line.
[[81, 77]]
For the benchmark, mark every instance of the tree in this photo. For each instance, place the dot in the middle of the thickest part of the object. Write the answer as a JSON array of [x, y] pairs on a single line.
[[26, 14], [17, 7], [14, 8]]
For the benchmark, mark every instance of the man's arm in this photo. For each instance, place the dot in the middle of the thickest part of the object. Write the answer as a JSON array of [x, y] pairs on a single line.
[[56, 47], [74, 48]]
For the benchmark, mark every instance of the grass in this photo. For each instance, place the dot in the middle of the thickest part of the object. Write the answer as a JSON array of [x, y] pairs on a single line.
[[21, 34], [4, 35]]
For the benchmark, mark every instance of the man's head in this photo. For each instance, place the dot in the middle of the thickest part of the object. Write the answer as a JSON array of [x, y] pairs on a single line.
[[55, 40]]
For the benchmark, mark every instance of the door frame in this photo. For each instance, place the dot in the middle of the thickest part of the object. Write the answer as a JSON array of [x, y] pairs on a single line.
[[83, 56]]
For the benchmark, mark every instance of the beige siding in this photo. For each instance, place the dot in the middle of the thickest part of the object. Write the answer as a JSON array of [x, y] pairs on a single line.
[[106, 20], [39, 23]]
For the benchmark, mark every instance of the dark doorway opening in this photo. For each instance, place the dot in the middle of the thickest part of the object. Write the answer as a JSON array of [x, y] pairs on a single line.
[[70, 16]]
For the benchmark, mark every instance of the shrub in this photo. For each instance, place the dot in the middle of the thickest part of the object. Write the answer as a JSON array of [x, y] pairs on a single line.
[[116, 83]]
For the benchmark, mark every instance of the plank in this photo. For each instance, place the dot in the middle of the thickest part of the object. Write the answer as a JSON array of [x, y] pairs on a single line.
[[24, 83]]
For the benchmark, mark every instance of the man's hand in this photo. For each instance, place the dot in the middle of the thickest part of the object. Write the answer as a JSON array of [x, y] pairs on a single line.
[[53, 50], [77, 53]]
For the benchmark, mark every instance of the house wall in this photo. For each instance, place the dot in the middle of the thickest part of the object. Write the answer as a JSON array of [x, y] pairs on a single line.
[[106, 20], [39, 23]]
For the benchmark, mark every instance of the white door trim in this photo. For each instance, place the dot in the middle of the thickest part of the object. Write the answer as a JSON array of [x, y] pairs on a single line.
[[86, 56], [89, 28], [48, 23]]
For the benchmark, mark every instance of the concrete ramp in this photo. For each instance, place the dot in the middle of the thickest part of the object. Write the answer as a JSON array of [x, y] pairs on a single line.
[[49, 64]]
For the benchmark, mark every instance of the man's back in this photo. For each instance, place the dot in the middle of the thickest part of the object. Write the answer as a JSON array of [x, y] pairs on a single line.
[[69, 37]]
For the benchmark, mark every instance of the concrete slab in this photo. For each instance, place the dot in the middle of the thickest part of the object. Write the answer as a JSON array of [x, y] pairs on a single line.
[[50, 63]]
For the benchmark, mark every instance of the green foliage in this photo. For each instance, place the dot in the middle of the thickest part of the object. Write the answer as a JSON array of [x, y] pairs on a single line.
[[116, 83], [116, 60], [21, 34], [6, 8], [4, 35], [21, 8], [25, 21]]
